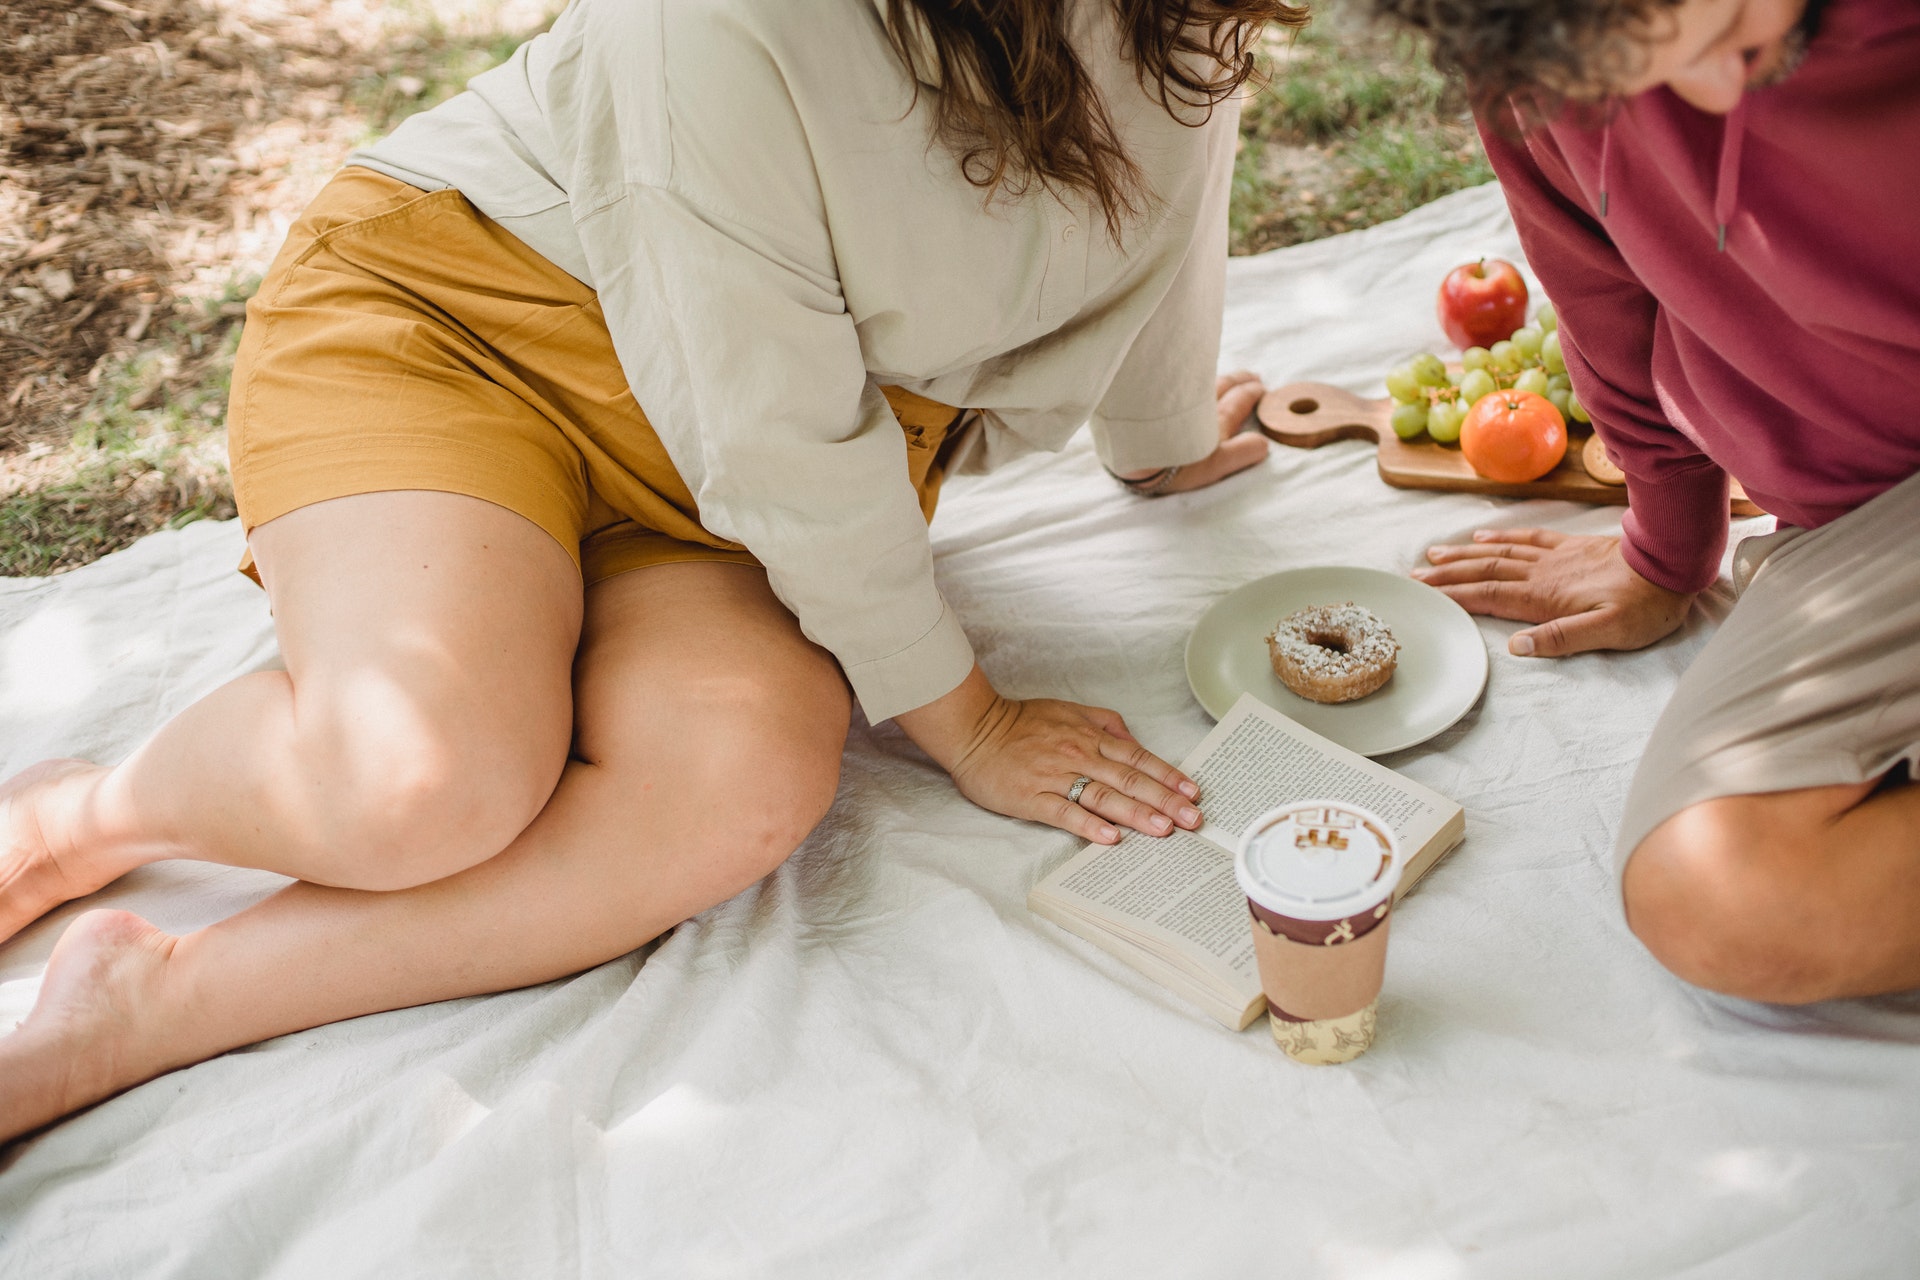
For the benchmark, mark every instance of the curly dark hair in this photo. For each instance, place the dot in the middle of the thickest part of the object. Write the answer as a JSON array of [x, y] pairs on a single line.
[[1540, 54], [1015, 105]]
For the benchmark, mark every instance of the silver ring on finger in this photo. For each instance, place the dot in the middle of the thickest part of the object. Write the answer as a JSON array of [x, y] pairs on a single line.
[[1079, 784]]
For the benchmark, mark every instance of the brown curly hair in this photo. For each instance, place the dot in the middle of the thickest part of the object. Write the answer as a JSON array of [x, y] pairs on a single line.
[[1012, 101], [1540, 54]]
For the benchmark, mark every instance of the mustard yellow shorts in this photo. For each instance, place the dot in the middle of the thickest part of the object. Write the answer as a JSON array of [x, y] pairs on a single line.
[[403, 340]]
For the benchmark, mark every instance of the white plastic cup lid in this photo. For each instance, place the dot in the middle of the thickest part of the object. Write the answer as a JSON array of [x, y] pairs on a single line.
[[1318, 860]]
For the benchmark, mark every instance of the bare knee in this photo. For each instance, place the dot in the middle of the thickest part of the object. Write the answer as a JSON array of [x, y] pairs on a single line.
[[743, 765], [770, 757], [417, 801], [780, 792], [1722, 896]]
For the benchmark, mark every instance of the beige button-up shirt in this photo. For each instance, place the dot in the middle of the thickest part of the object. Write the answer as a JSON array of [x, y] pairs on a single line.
[[752, 188]]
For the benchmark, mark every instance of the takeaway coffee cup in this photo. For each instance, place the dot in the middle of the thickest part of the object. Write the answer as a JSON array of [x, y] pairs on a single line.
[[1319, 876]]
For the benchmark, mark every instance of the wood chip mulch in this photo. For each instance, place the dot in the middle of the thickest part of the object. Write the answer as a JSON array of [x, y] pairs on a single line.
[[145, 150]]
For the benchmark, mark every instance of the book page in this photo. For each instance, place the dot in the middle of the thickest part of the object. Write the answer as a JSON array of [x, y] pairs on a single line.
[[1256, 760], [1177, 886], [1174, 898]]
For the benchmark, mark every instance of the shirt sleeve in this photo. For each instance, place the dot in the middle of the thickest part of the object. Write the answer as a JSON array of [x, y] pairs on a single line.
[[715, 269], [1675, 528], [749, 369], [1159, 411]]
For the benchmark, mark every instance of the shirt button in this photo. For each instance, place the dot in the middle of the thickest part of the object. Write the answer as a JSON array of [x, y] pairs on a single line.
[[1070, 232]]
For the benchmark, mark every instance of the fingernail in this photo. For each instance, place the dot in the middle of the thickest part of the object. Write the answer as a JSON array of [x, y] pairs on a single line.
[[1521, 645], [1422, 573], [1160, 822], [1109, 835], [1190, 815], [1190, 790], [1481, 535]]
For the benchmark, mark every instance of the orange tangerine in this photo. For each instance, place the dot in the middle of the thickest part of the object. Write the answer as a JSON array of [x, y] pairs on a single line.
[[1513, 436]]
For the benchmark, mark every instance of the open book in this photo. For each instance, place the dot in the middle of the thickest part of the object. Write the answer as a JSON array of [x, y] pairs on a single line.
[[1169, 905]]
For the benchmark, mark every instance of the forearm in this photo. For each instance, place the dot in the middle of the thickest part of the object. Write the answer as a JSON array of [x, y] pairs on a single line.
[[1159, 409], [1676, 528], [951, 725]]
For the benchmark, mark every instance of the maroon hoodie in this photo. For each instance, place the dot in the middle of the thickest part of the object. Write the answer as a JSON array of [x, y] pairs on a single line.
[[1740, 294]]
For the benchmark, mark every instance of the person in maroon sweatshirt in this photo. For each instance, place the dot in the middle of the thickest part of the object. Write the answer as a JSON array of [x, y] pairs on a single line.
[[1722, 198]]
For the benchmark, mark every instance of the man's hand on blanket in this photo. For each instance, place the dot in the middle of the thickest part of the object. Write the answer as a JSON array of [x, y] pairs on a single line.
[[1236, 395], [1022, 758], [1579, 589]]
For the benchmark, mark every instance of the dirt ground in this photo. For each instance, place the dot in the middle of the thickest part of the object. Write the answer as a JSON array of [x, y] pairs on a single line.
[[147, 154], [152, 157]]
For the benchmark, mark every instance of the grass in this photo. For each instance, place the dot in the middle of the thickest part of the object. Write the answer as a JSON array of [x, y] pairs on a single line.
[[1350, 128], [432, 66], [149, 452]]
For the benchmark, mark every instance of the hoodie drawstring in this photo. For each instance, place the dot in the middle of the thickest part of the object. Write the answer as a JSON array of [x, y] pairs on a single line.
[[1606, 157], [1726, 191]]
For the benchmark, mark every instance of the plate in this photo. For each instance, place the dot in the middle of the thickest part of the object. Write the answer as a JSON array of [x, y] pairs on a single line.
[[1441, 672]]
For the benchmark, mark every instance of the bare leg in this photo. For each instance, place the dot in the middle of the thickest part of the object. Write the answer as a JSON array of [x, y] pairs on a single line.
[[708, 745], [37, 874], [1790, 897], [421, 722]]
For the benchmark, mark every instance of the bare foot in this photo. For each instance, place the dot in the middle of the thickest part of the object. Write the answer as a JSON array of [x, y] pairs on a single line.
[[98, 1026], [35, 875]]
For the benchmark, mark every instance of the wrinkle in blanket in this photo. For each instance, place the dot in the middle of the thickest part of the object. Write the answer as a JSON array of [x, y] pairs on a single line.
[[878, 1064]]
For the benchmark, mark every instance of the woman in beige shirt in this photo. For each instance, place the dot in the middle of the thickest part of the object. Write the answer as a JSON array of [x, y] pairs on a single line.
[[836, 251]]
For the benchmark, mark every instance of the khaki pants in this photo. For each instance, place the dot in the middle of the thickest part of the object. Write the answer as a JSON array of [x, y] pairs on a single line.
[[1813, 681]]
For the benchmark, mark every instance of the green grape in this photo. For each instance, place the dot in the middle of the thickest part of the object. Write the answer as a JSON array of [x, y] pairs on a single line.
[[1428, 371], [1558, 382], [1402, 385], [1443, 421], [1527, 341], [1409, 420], [1576, 410], [1534, 380], [1546, 319], [1503, 357], [1476, 384], [1558, 398], [1474, 358], [1550, 353], [1454, 376]]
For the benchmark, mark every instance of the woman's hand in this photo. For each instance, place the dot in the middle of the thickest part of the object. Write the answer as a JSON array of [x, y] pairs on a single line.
[[1579, 589], [1236, 395], [1022, 758]]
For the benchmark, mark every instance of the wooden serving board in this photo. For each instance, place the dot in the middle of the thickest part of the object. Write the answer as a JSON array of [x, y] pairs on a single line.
[[1307, 415]]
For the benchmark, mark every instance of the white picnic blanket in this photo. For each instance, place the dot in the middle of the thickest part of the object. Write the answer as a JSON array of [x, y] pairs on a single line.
[[877, 1063]]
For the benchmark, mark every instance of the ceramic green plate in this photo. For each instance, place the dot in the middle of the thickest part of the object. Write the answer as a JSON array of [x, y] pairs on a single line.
[[1441, 672]]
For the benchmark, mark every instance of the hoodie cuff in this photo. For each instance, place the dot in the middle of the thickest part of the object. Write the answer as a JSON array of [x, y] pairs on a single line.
[[1675, 529]]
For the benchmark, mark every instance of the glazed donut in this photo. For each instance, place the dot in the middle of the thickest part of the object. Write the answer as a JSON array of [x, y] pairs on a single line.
[[1332, 652]]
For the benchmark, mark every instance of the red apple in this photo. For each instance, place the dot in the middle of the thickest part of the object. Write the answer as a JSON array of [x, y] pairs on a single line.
[[1482, 303]]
